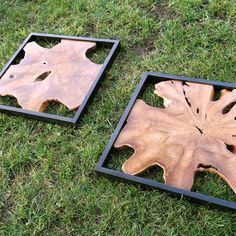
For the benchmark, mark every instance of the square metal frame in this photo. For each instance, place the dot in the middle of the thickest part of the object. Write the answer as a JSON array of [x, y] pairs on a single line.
[[153, 77], [114, 44]]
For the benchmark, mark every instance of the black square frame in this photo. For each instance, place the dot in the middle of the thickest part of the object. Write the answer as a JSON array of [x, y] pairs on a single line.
[[154, 77], [113, 44]]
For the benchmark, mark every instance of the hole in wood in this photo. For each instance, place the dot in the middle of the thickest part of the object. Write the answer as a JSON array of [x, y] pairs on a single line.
[[184, 83], [230, 148], [205, 166], [199, 129], [185, 95], [228, 108], [188, 101], [42, 76]]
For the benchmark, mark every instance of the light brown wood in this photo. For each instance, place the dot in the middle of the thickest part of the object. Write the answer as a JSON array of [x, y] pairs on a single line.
[[191, 133], [62, 74]]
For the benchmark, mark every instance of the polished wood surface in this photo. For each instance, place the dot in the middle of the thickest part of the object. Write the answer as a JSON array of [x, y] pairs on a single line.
[[194, 131], [63, 74]]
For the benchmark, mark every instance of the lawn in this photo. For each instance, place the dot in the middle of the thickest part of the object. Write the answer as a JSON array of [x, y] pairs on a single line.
[[47, 178]]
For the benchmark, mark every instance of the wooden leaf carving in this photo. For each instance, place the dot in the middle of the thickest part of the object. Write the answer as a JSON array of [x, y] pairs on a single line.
[[191, 133], [62, 74]]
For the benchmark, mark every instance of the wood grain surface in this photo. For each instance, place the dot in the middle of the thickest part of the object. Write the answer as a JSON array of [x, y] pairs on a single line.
[[62, 73], [194, 131]]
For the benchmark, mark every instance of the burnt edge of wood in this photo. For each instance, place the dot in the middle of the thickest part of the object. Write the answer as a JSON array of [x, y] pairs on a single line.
[[155, 77], [113, 44]]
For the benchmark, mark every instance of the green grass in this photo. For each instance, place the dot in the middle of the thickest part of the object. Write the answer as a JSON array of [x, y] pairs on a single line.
[[47, 181]]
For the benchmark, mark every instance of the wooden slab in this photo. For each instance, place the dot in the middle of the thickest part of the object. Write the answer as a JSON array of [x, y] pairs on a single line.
[[191, 133], [62, 74]]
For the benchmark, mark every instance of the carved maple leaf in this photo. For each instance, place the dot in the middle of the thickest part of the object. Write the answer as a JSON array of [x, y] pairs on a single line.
[[62, 74], [191, 133]]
